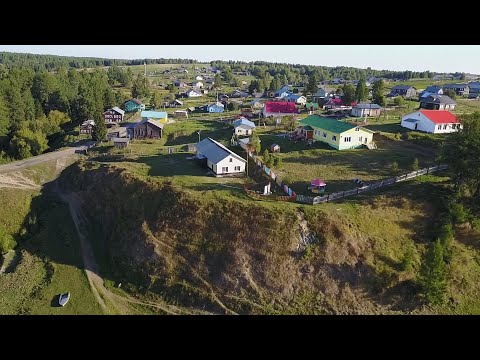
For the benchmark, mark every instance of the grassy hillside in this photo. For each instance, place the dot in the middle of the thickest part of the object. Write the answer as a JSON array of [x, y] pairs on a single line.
[[228, 255]]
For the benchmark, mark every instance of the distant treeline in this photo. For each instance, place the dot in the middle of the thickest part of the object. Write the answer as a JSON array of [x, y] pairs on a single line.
[[53, 62]]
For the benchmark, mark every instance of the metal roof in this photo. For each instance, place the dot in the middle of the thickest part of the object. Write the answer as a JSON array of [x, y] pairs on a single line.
[[214, 151], [244, 122], [368, 106], [118, 110], [439, 99], [121, 140], [411, 120], [153, 114], [323, 123]]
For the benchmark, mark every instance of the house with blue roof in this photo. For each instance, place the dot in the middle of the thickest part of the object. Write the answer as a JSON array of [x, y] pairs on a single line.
[[431, 90], [218, 107], [284, 89], [160, 116], [243, 126], [222, 161], [297, 99]]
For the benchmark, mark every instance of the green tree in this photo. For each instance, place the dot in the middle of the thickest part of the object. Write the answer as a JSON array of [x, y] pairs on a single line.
[[232, 106], [399, 101], [156, 100], [312, 86], [26, 142], [99, 132], [140, 87], [255, 144], [361, 92], [348, 94], [408, 260], [290, 123], [450, 93], [7, 242], [433, 275], [266, 157], [415, 165], [461, 152], [378, 92], [446, 235], [217, 81]]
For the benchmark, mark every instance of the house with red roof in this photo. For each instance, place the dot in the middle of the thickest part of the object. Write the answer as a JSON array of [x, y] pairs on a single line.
[[337, 103], [432, 121], [279, 108]]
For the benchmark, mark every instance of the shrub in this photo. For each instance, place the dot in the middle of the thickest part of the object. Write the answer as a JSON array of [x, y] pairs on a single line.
[[395, 167], [7, 243], [277, 162], [415, 165]]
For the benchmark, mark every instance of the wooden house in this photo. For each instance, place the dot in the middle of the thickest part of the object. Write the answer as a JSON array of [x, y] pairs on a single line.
[[113, 115], [148, 129], [133, 105]]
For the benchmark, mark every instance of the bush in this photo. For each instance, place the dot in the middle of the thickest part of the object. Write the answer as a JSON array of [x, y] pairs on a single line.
[[408, 259], [277, 162], [415, 165], [458, 213], [266, 156], [7, 243]]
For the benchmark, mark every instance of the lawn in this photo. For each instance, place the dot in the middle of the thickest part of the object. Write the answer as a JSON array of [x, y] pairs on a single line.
[[302, 163]]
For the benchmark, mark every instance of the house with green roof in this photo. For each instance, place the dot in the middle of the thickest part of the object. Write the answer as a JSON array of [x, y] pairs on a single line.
[[338, 134]]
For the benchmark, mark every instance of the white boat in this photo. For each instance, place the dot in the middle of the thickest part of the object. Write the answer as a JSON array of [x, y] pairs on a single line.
[[63, 299]]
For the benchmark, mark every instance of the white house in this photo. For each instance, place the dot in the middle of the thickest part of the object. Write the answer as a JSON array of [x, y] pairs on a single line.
[[432, 121], [221, 160], [193, 93], [199, 78], [197, 84], [243, 126], [361, 110]]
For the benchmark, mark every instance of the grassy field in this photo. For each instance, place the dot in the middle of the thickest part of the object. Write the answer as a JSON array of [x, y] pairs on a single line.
[[47, 260]]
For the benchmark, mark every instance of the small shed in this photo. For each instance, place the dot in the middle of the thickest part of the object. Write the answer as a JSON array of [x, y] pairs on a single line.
[[275, 148], [121, 143], [181, 113]]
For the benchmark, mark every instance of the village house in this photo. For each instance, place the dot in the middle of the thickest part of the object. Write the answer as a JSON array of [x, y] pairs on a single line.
[[113, 115], [180, 113], [403, 90], [431, 90], [297, 99], [339, 135], [197, 84], [87, 127], [474, 89], [238, 94], [279, 108], [432, 121], [148, 129], [159, 116], [459, 89], [180, 83], [243, 127], [175, 103], [215, 108], [121, 143], [193, 93], [133, 105], [361, 110], [320, 94], [437, 102], [285, 89], [311, 106], [257, 104], [199, 78], [118, 132], [337, 104], [219, 159]]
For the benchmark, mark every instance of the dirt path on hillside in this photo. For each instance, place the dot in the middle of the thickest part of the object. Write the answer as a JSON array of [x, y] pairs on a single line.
[[91, 267], [17, 181]]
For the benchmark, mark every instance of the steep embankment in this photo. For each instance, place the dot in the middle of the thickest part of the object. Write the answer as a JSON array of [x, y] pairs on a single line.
[[236, 257]]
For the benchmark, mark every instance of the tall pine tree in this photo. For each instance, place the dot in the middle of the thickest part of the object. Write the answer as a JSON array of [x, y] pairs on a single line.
[[433, 275], [361, 92]]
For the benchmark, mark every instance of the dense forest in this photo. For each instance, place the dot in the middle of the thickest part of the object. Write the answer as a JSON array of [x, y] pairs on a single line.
[[37, 109]]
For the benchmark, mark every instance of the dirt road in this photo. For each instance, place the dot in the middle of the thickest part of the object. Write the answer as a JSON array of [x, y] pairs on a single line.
[[55, 155]]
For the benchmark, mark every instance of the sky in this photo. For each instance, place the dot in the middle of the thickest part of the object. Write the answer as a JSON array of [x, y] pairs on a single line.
[[439, 58]]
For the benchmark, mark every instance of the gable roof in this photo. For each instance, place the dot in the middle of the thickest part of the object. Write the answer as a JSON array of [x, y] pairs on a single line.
[[153, 114], [118, 110], [474, 84], [403, 87], [455, 86], [440, 116], [244, 122], [432, 89], [368, 106], [284, 107], [214, 151], [153, 122], [284, 88], [219, 104], [439, 99], [309, 105], [328, 124], [135, 101]]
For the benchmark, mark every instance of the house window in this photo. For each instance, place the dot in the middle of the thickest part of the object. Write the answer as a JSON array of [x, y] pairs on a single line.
[[334, 138], [224, 169], [324, 135], [439, 127], [357, 129], [348, 139], [360, 139], [237, 168], [231, 160], [444, 127]]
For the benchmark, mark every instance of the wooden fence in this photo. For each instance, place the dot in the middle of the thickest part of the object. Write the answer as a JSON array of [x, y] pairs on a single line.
[[342, 194]]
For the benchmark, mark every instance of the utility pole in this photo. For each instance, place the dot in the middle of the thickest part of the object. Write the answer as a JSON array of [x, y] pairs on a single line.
[[198, 132]]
